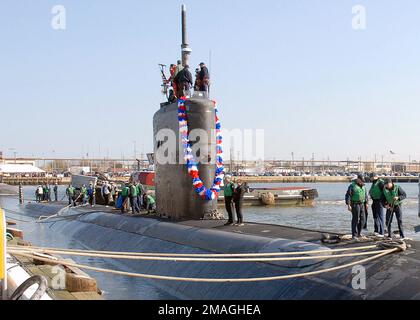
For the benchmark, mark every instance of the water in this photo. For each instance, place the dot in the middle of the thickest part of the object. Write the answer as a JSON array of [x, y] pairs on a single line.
[[114, 287], [329, 213]]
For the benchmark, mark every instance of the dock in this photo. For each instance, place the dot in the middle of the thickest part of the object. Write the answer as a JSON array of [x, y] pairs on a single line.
[[33, 181], [64, 282]]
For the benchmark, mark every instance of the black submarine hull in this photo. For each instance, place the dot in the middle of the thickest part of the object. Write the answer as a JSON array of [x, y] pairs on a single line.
[[391, 277]]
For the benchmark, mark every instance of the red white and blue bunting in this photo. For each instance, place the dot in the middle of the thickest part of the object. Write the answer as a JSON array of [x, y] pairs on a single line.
[[191, 162]]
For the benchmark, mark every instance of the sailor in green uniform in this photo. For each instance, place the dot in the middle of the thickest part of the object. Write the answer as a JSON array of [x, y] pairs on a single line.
[[84, 194], [375, 193], [125, 194], [70, 194], [133, 198], [228, 195], [357, 202], [140, 192], [392, 198], [151, 203]]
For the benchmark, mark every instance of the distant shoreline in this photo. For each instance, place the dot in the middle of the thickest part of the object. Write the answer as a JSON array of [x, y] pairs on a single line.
[[312, 179], [248, 179]]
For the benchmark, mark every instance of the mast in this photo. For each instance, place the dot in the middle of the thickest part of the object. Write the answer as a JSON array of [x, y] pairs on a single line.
[[185, 48]]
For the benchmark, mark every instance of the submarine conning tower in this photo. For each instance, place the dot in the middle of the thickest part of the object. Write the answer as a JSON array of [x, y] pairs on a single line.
[[175, 194]]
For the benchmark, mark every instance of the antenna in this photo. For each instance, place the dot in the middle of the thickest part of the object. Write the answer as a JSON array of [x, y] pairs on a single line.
[[185, 48]]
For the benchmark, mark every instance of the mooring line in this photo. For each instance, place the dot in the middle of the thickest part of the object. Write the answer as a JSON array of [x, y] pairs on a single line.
[[152, 254], [179, 259], [211, 280]]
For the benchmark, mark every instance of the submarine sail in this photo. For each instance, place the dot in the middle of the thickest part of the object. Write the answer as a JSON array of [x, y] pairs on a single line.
[[176, 196]]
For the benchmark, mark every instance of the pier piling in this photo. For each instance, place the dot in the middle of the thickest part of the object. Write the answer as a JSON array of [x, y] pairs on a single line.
[[21, 196]]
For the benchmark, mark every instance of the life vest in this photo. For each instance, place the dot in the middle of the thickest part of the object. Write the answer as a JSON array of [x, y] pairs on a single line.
[[359, 193], [228, 190], [151, 200], [391, 194], [125, 192], [83, 191], [375, 191], [71, 190], [133, 191]]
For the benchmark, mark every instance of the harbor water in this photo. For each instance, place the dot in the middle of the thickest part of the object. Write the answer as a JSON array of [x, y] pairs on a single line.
[[328, 213]]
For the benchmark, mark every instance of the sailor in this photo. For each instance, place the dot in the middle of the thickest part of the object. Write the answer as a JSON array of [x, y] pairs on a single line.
[[375, 193], [204, 77], [173, 72], [70, 192], [357, 202], [125, 194], [133, 198], [39, 194], [91, 194], [238, 200], [55, 192], [184, 82], [106, 193], [84, 194], [178, 67], [114, 192], [392, 198], [47, 193], [44, 193], [228, 195], [197, 82], [140, 193], [151, 203], [171, 97]]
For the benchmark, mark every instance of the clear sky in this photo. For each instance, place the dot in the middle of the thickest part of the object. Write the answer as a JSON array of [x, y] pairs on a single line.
[[294, 68]]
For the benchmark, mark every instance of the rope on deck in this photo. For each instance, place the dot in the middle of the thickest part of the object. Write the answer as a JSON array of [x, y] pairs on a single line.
[[60, 212], [210, 280], [183, 259], [154, 254]]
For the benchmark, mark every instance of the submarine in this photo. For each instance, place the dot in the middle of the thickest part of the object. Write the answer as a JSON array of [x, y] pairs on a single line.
[[189, 201]]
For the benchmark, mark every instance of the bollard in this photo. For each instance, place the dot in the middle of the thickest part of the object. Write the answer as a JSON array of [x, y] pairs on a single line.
[[21, 199]]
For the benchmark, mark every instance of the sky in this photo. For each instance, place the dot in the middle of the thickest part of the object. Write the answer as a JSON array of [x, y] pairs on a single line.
[[297, 69]]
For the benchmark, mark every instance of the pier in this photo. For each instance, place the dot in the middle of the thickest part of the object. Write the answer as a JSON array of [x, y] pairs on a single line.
[[33, 181]]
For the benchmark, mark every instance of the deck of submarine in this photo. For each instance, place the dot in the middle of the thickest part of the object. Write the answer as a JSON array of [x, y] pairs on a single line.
[[400, 269], [273, 231], [250, 228], [392, 277]]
